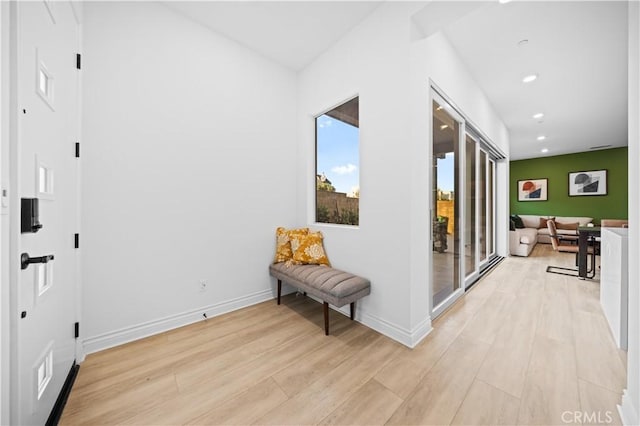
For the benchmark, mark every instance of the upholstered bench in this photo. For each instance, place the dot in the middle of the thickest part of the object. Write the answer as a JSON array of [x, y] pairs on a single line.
[[327, 284]]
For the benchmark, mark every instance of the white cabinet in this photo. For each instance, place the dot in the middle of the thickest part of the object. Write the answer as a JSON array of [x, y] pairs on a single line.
[[614, 283]]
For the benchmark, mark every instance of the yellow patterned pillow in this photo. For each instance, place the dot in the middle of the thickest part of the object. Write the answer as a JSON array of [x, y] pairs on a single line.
[[295, 236], [310, 250], [283, 243]]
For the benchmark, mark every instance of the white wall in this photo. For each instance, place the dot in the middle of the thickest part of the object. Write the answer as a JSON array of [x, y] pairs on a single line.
[[188, 163], [371, 61], [630, 408], [391, 246]]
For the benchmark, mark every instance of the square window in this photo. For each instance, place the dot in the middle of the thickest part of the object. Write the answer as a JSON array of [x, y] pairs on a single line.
[[44, 82], [338, 164], [44, 277], [44, 180], [44, 371]]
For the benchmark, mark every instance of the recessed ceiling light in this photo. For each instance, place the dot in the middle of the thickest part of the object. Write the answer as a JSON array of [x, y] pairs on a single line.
[[538, 116], [444, 126], [530, 78], [541, 137], [544, 150], [503, 1], [439, 107]]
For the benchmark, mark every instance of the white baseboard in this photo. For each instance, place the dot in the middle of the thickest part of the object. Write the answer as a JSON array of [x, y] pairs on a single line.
[[409, 338], [129, 334], [421, 331], [627, 411]]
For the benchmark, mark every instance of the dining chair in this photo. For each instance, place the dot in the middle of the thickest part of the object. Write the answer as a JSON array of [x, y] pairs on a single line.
[[560, 245]]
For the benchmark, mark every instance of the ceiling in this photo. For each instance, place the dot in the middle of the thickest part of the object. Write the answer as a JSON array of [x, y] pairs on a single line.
[[577, 48], [579, 51], [291, 33]]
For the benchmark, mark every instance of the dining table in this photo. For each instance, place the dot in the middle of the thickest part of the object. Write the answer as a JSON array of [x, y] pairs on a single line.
[[585, 234]]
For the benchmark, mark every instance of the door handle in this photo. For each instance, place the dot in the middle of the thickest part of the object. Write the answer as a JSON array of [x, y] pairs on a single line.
[[25, 260]]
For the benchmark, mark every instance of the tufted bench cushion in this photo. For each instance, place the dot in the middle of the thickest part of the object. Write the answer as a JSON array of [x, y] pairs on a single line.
[[327, 284]]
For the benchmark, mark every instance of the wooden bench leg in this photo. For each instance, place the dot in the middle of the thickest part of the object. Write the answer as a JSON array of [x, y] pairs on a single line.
[[279, 290], [326, 318], [353, 310]]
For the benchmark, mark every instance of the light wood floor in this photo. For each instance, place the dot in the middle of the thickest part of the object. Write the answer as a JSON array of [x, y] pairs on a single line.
[[522, 347]]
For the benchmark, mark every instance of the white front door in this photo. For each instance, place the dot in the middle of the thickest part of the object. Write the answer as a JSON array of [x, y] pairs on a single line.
[[43, 342]]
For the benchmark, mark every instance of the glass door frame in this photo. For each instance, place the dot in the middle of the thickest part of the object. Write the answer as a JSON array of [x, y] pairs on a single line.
[[490, 211], [433, 208], [494, 204], [484, 199], [473, 277]]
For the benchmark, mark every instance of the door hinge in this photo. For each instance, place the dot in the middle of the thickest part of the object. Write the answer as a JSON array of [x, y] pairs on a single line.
[[77, 330], [77, 149], [76, 241], [78, 61]]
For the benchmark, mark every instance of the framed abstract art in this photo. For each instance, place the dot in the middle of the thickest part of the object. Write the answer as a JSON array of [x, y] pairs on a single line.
[[588, 183], [532, 190]]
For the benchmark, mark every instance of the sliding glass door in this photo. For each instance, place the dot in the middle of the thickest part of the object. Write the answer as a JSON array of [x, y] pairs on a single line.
[[445, 224], [463, 205]]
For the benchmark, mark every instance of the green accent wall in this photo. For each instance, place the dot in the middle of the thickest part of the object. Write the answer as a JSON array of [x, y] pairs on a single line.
[[557, 168]]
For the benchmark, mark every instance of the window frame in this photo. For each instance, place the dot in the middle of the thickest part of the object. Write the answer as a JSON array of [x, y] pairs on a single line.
[[315, 165]]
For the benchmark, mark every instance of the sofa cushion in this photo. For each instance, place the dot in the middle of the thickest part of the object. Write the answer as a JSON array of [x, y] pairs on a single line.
[[543, 222], [517, 221], [582, 221], [559, 231], [528, 235], [531, 221]]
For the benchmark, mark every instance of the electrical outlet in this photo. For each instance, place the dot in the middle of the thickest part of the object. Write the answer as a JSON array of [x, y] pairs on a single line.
[[203, 285]]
